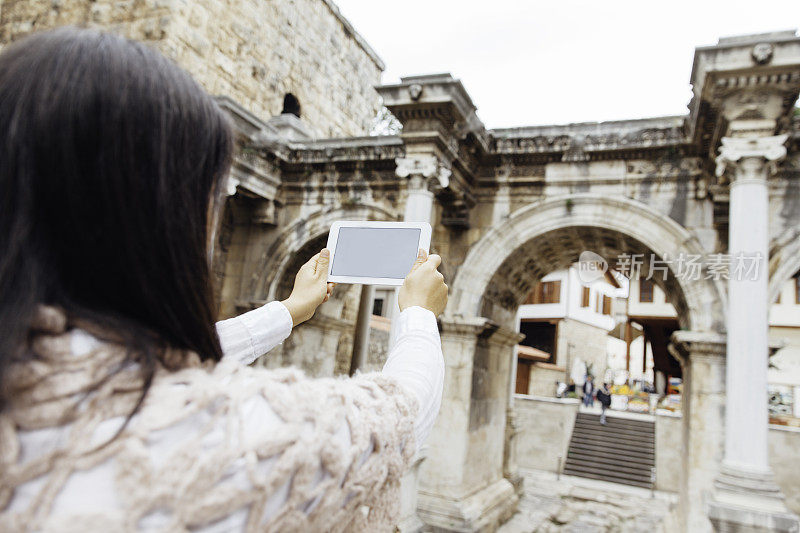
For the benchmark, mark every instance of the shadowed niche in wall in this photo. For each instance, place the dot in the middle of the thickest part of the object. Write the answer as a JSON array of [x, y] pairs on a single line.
[[291, 105]]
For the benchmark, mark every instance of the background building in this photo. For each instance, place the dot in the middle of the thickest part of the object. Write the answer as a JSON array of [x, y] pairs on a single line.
[[566, 325], [784, 372]]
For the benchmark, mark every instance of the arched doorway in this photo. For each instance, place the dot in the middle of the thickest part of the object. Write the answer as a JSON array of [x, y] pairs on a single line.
[[479, 334], [322, 346], [509, 258]]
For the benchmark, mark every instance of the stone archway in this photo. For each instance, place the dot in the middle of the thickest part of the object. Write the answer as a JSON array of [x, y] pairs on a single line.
[[323, 345], [307, 228], [604, 225], [479, 333]]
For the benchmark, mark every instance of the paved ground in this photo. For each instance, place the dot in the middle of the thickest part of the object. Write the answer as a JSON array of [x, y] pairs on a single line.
[[576, 505]]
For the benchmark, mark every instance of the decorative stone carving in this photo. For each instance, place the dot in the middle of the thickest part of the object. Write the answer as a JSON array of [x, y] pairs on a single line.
[[442, 180], [426, 166], [367, 149], [231, 185], [752, 110], [762, 53], [575, 153], [415, 91], [733, 149], [575, 144]]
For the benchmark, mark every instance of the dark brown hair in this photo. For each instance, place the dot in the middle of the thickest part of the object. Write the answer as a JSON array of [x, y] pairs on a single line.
[[110, 156]]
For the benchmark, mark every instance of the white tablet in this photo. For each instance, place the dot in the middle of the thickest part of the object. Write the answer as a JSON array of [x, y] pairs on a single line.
[[375, 253]]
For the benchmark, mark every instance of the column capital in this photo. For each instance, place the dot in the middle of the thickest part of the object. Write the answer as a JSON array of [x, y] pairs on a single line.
[[736, 149], [231, 186], [426, 166], [459, 326], [694, 344], [479, 327]]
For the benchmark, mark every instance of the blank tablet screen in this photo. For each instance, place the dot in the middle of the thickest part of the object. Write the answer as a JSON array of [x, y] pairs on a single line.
[[375, 252]]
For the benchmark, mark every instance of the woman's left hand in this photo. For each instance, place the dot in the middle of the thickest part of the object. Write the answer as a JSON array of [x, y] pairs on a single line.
[[311, 288]]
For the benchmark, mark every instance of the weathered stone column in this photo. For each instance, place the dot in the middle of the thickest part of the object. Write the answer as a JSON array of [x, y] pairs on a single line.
[[420, 169], [702, 358], [462, 486], [747, 497], [361, 335], [424, 171]]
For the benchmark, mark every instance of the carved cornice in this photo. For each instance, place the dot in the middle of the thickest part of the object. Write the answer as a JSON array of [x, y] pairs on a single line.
[[349, 149], [748, 77], [785, 83], [577, 142], [434, 96]]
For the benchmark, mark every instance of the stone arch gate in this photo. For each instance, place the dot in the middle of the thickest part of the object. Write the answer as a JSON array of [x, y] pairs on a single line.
[[508, 204], [478, 335]]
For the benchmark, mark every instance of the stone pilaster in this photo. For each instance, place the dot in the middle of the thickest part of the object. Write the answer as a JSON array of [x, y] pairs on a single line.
[[311, 346], [746, 497], [702, 358], [410, 521], [510, 463], [462, 483], [425, 173]]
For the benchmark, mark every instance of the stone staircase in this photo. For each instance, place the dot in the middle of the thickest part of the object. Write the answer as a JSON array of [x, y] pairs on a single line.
[[622, 451]]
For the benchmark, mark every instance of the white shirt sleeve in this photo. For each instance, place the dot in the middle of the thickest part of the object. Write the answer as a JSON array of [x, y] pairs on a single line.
[[248, 336], [417, 363], [415, 360]]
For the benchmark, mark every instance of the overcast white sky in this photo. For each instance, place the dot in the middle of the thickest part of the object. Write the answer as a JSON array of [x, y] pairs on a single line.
[[558, 61]]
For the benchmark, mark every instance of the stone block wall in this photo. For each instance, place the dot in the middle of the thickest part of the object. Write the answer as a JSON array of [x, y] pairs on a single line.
[[589, 343], [378, 350], [543, 378], [783, 445], [669, 436], [545, 427], [254, 51]]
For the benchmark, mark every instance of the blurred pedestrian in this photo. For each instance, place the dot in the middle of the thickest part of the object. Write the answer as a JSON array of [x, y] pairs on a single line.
[[604, 397], [588, 391], [571, 386]]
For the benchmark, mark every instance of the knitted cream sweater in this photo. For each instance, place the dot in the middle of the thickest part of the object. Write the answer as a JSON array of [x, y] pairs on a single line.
[[328, 479]]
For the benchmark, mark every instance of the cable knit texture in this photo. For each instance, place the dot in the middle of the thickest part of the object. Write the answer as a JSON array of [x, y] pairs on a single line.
[[192, 486]]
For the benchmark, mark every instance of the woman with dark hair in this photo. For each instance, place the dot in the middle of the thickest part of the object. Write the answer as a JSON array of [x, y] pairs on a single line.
[[123, 405]]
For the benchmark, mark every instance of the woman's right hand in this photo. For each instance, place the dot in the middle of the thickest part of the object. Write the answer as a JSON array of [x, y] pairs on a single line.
[[424, 286]]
